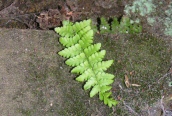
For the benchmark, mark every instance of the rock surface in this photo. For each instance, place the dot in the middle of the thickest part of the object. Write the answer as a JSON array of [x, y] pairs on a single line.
[[34, 80]]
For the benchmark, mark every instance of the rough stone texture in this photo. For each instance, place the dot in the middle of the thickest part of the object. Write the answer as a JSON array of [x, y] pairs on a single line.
[[34, 80]]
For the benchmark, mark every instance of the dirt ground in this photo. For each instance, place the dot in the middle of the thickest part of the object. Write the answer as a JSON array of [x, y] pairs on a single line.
[[36, 82], [47, 14]]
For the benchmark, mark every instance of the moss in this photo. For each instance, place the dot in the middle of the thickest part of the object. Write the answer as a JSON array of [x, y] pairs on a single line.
[[168, 20], [151, 20], [75, 98], [143, 7], [144, 59], [25, 112], [147, 8]]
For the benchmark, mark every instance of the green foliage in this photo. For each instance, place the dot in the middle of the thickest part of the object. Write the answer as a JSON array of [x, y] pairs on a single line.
[[86, 59], [104, 27], [124, 26]]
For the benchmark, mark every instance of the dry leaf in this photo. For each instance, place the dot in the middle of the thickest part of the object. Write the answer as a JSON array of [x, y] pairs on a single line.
[[135, 85], [127, 83]]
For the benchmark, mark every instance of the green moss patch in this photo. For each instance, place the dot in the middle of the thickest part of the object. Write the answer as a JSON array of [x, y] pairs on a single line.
[[143, 59]]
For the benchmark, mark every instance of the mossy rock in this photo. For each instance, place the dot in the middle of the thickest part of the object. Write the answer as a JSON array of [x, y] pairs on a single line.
[[144, 59]]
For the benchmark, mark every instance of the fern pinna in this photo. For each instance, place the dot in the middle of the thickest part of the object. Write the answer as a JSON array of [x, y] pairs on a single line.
[[86, 58]]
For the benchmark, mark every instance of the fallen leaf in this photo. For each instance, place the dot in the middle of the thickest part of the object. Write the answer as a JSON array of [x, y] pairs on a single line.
[[135, 85], [127, 83]]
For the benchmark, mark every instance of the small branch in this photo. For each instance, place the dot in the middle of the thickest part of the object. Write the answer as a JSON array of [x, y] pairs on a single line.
[[130, 109], [162, 106], [164, 76]]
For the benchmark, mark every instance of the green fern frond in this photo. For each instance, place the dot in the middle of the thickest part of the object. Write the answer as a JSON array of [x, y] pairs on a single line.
[[81, 68], [115, 25], [105, 88], [86, 59], [78, 26], [69, 41], [92, 49], [103, 75], [95, 90], [104, 26], [66, 30], [71, 51], [75, 61], [102, 66], [90, 83], [96, 57], [87, 39], [125, 25], [85, 76]]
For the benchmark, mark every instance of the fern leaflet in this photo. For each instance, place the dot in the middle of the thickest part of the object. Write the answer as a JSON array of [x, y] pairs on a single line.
[[86, 59]]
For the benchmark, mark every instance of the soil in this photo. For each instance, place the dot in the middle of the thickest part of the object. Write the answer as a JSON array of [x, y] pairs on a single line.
[[48, 14], [35, 80]]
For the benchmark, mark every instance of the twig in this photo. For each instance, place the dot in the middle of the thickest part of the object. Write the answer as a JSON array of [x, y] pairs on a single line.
[[164, 76], [130, 109], [162, 106]]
